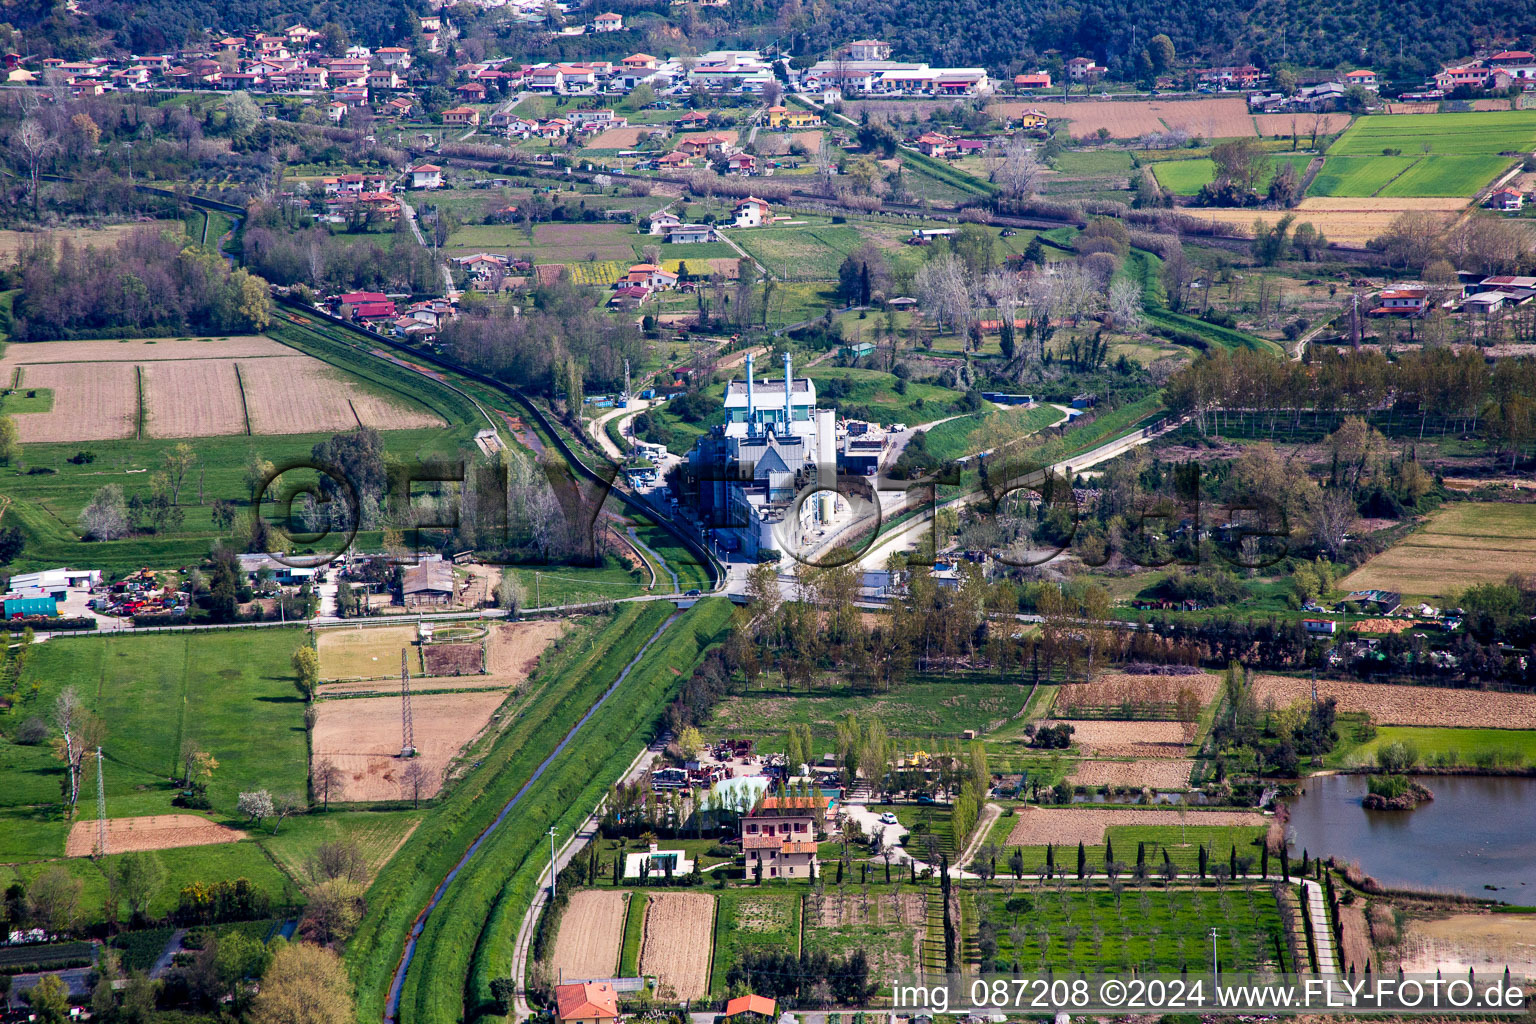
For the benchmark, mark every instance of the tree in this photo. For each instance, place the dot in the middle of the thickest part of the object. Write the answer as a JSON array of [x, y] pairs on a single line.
[[50, 999], [1285, 186], [1020, 170], [305, 984], [179, 460], [244, 115], [510, 593], [106, 517], [690, 741], [53, 899], [33, 144], [256, 805], [306, 668], [10, 446], [414, 780], [79, 732], [327, 779], [1161, 51], [1270, 242], [137, 878], [334, 908], [1125, 303]]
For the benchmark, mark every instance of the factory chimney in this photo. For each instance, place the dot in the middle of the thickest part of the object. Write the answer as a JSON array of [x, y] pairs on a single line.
[[789, 392], [750, 431]]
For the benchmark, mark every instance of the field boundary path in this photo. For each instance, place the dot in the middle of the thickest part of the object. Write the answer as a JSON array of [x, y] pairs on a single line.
[[1322, 931], [392, 1005]]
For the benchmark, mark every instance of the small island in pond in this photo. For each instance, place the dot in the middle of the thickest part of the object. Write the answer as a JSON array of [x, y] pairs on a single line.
[[1394, 793]]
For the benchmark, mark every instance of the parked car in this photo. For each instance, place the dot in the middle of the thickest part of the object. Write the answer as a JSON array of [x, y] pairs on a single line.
[[888, 818]]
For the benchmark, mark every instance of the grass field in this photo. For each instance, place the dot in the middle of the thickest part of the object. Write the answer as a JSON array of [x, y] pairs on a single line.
[[1187, 177], [1506, 747], [873, 391], [988, 429], [751, 921], [1423, 154], [1462, 543], [1139, 928], [1182, 843], [809, 253]]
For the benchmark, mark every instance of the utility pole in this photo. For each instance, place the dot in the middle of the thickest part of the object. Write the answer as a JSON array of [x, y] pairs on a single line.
[[101, 810], [1215, 969], [551, 863]]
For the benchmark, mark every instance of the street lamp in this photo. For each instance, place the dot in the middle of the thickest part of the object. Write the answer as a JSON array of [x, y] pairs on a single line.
[[552, 868], [1215, 970]]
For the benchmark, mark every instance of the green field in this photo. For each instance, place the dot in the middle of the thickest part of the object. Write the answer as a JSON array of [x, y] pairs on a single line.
[[231, 691], [748, 920], [1406, 155], [873, 392], [809, 253], [1138, 928], [1188, 177], [1497, 747], [1182, 843], [24, 400], [988, 429]]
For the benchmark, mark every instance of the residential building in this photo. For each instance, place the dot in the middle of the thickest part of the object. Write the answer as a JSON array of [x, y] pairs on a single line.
[[650, 277], [1506, 199], [936, 145], [751, 212], [393, 57], [471, 92], [1363, 78], [778, 836], [683, 234], [869, 49], [586, 1002], [1472, 75], [461, 116], [426, 176], [786, 117], [741, 163], [1032, 80], [664, 220], [750, 1007], [1403, 300], [1083, 69], [608, 22], [1242, 76]]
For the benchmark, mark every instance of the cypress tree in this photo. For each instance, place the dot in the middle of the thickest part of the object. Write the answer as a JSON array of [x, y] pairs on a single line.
[[1232, 861], [887, 871], [1050, 860], [1082, 861], [1305, 865], [1141, 855], [1109, 851], [1264, 861], [839, 873], [1285, 863], [1204, 857], [950, 965]]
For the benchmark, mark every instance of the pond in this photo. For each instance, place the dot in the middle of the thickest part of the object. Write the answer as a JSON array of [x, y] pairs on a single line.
[[1478, 831]]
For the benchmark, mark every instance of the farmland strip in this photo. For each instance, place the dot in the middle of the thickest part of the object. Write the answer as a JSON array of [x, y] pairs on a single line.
[[138, 377]]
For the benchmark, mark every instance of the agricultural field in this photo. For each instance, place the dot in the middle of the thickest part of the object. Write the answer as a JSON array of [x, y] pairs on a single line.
[[678, 941], [887, 926], [182, 388], [1147, 930], [1406, 155], [362, 737], [1129, 739], [1214, 118], [148, 832], [1286, 125], [1457, 943], [1351, 222], [365, 652], [1510, 747], [1134, 695], [753, 920], [1158, 773], [553, 241], [591, 930], [1068, 826], [1187, 177], [917, 709], [1390, 704], [1462, 543], [101, 238]]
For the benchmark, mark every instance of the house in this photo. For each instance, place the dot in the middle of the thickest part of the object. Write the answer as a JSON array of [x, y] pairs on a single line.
[[936, 145], [586, 1002], [1506, 199], [1474, 76], [547, 80], [650, 277], [657, 862], [608, 22], [426, 176], [1241, 76], [393, 57], [783, 117], [674, 159], [430, 582], [384, 78], [1082, 69], [869, 49], [1320, 627], [684, 234], [471, 92], [751, 212], [1032, 80], [1363, 78], [336, 111], [778, 836], [1033, 121], [693, 119], [707, 143], [1402, 300], [629, 296], [461, 116], [750, 1007], [663, 220], [741, 163], [400, 106]]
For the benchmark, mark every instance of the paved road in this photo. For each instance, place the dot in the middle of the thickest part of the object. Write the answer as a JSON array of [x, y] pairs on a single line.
[[168, 955], [1322, 930]]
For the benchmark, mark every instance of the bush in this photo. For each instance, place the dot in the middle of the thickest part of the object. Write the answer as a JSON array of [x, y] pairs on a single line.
[[32, 732], [1396, 756]]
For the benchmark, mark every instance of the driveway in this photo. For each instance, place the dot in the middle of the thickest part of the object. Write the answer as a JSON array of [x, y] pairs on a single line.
[[890, 835]]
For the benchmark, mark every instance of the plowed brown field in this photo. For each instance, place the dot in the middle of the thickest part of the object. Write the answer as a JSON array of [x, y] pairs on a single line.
[[679, 938], [362, 737], [151, 832], [1036, 826], [591, 931], [1389, 704]]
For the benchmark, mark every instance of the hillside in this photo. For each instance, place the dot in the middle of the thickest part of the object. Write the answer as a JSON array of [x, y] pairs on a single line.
[[1404, 40]]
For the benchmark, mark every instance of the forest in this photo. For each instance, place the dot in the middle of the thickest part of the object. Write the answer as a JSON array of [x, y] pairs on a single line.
[[147, 283]]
